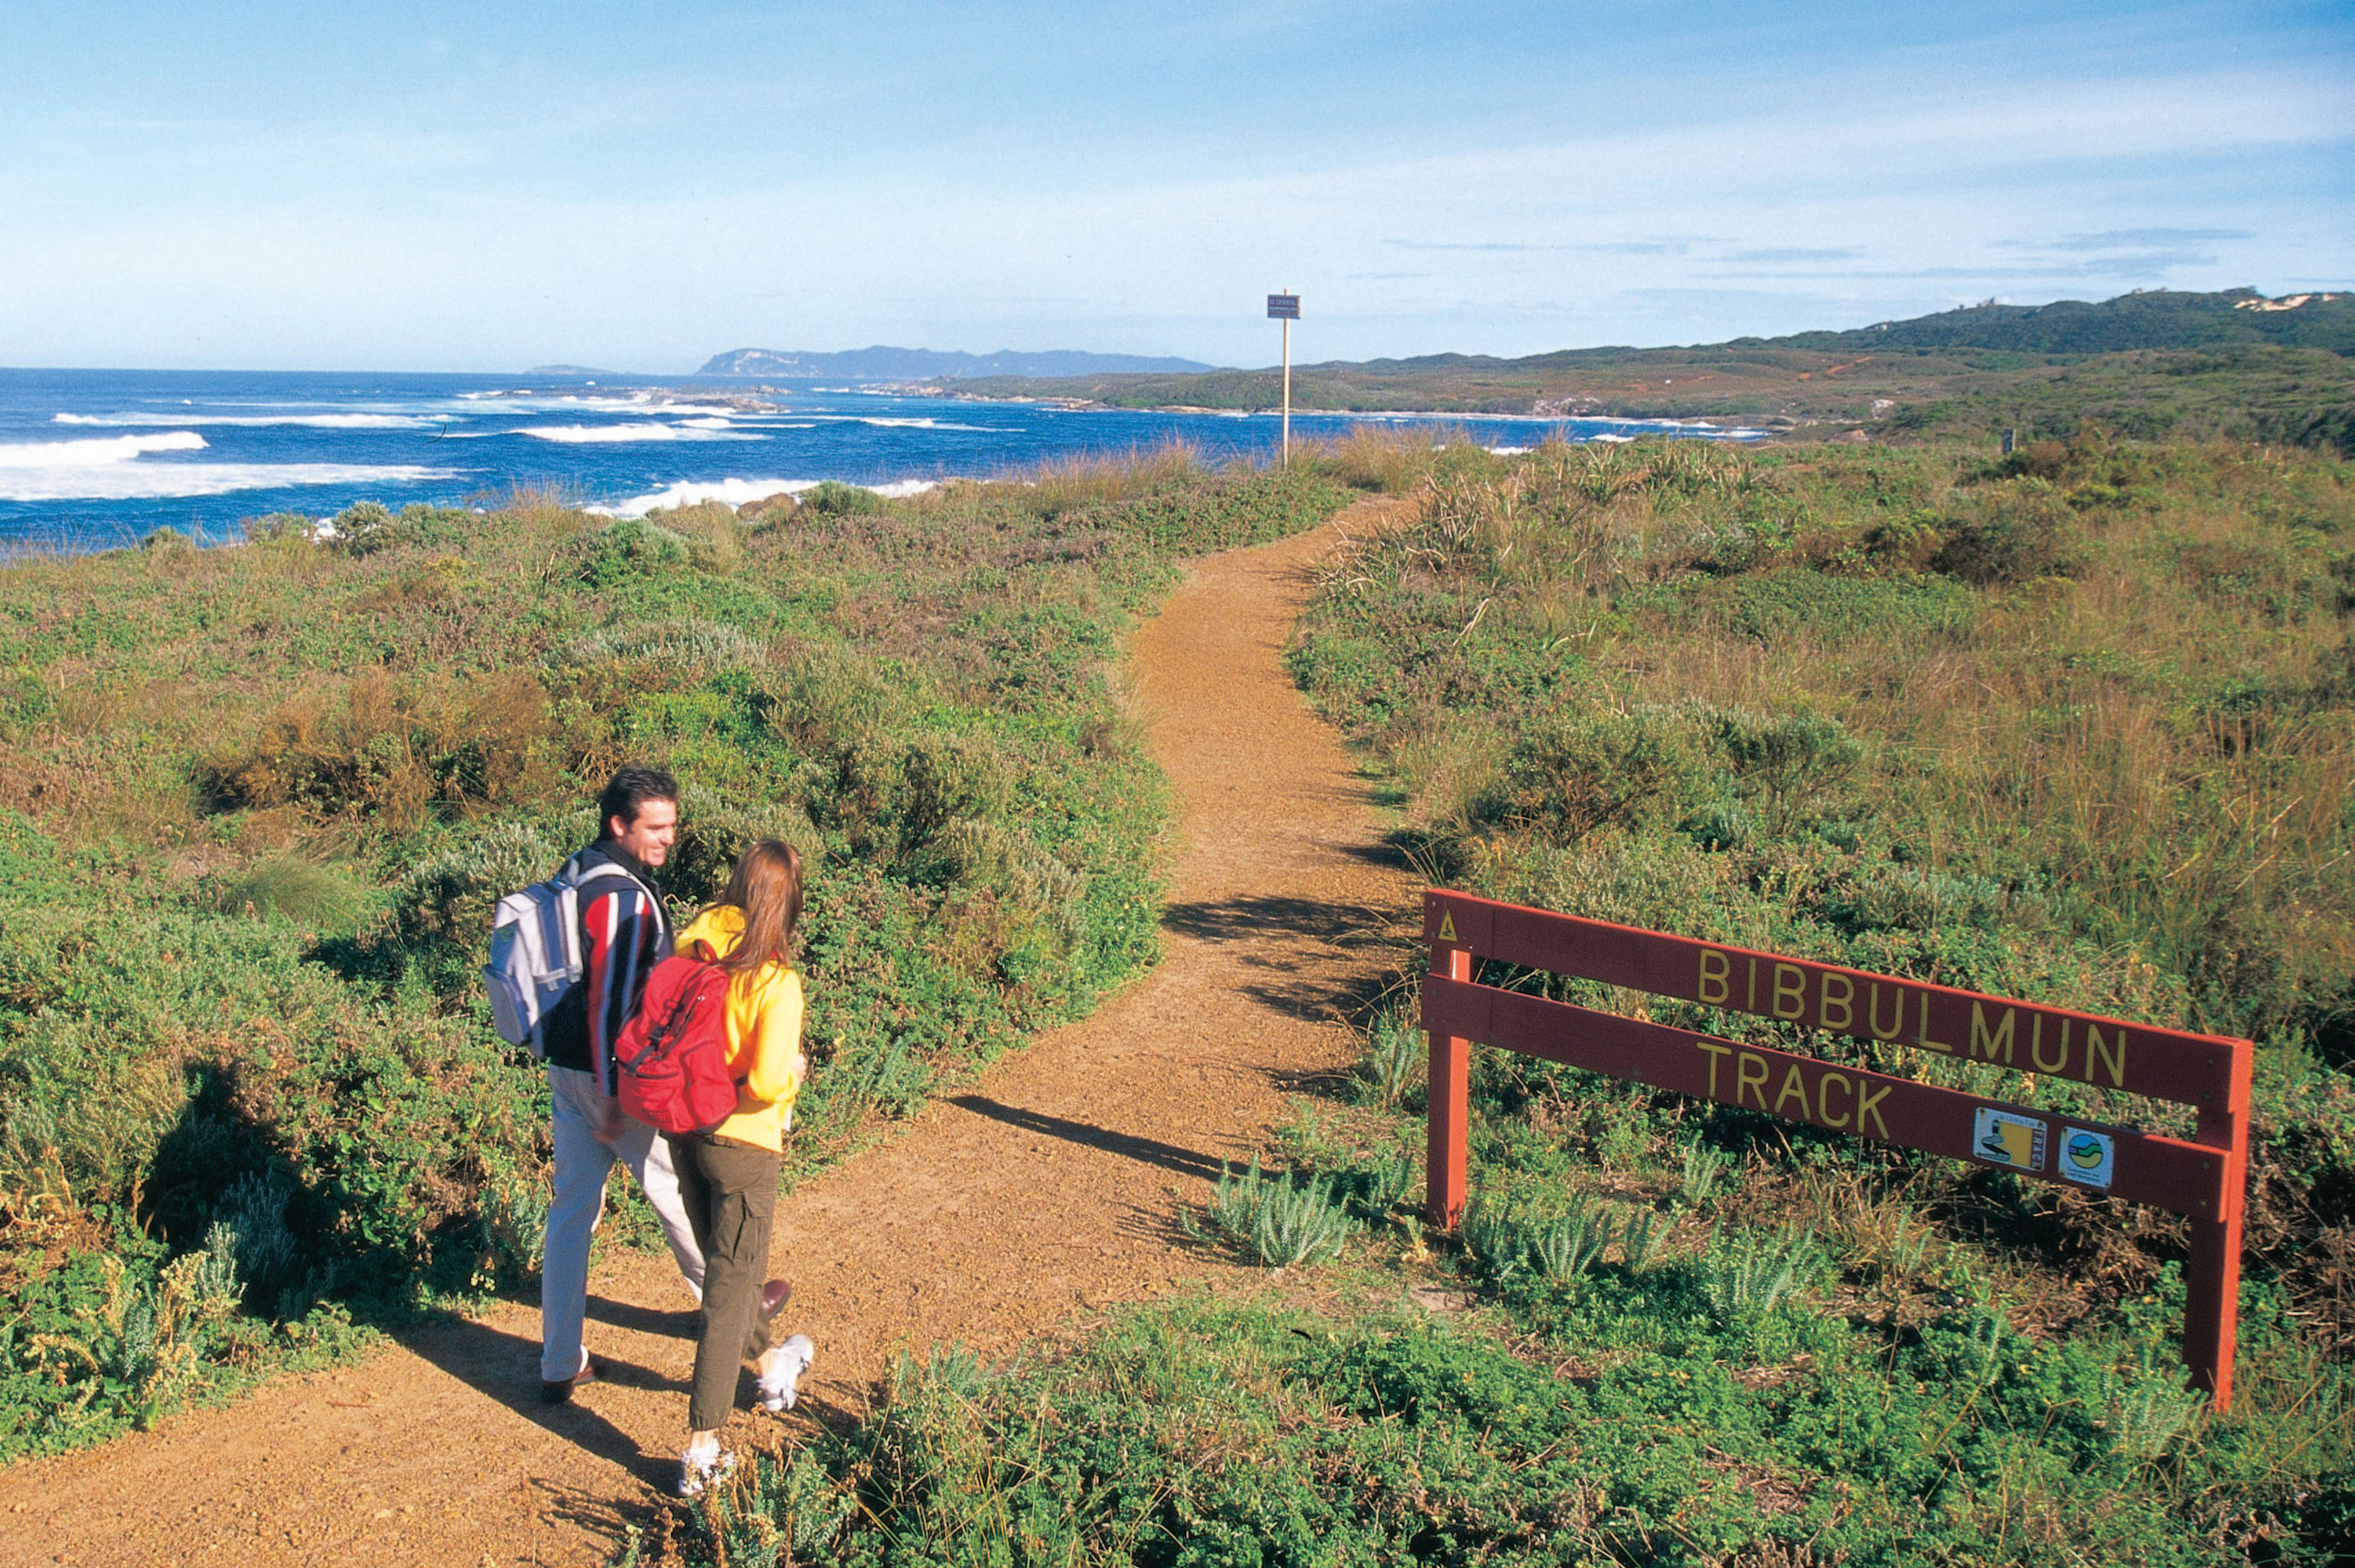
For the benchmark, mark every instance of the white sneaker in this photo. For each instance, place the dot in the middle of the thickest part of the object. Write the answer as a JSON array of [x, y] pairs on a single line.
[[701, 1466], [780, 1370]]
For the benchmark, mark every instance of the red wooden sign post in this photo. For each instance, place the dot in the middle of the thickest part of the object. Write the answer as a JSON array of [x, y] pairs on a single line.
[[2201, 1179]]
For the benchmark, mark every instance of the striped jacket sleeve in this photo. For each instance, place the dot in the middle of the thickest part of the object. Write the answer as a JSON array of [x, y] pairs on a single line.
[[626, 939]]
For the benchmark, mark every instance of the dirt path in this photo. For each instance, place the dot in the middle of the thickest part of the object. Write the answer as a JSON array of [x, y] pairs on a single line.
[[1049, 1185]]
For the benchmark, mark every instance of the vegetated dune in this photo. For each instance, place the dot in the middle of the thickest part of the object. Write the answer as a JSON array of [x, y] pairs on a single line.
[[2073, 724], [256, 805], [2147, 365], [2077, 726]]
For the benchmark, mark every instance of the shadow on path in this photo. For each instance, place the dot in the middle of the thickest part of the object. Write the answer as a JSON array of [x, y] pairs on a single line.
[[1343, 925], [1149, 1151], [505, 1368]]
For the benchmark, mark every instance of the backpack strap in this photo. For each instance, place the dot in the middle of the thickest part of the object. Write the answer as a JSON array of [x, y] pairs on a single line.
[[581, 876]]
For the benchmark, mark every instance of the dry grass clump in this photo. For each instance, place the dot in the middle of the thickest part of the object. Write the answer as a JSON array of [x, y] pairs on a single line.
[[1068, 483], [398, 751]]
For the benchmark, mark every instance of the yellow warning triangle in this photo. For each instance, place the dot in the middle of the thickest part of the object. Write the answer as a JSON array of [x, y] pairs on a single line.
[[1446, 926]]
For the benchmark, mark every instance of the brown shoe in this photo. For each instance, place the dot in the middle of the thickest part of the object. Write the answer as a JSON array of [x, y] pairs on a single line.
[[561, 1392], [773, 1296]]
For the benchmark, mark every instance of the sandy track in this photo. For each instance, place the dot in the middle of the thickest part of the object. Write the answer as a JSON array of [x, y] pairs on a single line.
[[1051, 1184]]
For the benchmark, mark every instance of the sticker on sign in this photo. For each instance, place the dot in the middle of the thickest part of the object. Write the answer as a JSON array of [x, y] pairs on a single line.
[[1999, 1137], [2088, 1156], [1285, 307]]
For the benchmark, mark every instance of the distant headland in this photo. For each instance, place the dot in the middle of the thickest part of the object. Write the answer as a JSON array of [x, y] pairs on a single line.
[[2146, 364], [882, 362]]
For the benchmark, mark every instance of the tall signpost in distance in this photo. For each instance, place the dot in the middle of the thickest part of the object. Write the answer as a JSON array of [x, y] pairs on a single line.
[[1285, 308]]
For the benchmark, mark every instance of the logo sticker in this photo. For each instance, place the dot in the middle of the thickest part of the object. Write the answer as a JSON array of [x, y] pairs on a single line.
[[2087, 1157], [1446, 926], [2001, 1138]]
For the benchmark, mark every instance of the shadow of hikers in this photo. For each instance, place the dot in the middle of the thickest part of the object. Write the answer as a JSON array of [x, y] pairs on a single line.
[[1149, 1151], [506, 1367], [684, 1323]]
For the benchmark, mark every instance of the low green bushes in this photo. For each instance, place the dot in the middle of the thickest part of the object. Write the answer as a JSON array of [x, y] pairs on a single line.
[[255, 810], [1703, 1408]]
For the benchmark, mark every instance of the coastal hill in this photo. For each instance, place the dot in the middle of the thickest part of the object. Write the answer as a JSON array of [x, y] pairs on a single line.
[[2234, 363], [882, 362]]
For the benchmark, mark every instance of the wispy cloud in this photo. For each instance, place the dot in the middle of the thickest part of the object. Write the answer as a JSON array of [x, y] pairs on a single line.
[[1798, 254], [2132, 238], [2125, 269], [1479, 245], [1637, 247]]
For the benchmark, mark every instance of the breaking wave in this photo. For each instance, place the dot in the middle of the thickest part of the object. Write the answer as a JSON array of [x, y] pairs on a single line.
[[314, 421], [604, 434], [739, 491], [107, 468]]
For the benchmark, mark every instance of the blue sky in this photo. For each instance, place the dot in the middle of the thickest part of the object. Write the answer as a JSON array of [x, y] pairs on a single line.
[[457, 186]]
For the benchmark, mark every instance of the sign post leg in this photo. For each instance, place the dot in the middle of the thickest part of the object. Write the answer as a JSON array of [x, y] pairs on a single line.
[[2211, 1312], [1287, 392], [2211, 1309], [1446, 1157]]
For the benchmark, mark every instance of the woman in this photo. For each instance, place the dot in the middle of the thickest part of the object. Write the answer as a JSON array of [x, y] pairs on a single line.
[[727, 1176]]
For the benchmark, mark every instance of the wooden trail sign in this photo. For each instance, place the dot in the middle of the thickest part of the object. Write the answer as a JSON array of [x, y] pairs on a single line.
[[2202, 1178]]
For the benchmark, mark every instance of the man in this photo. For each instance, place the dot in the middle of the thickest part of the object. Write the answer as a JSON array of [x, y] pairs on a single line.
[[625, 931]]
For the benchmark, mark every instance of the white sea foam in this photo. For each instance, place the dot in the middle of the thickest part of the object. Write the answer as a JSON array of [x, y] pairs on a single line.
[[738, 492], [94, 451], [316, 421], [610, 402], [1607, 435], [107, 468], [913, 423], [1510, 451], [600, 434]]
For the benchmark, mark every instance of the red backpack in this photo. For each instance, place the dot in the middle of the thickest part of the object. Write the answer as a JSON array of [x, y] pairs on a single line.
[[674, 1055]]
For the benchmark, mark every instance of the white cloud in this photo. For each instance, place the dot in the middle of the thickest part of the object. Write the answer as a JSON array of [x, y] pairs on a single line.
[[435, 251]]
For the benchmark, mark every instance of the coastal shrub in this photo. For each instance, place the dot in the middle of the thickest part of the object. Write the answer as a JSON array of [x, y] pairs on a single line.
[[2053, 728], [2012, 534], [313, 893], [369, 528], [832, 498], [255, 812], [1580, 771], [632, 549]]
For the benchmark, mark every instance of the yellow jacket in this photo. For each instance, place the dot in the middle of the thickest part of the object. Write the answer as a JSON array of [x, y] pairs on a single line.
[[764, 1036]]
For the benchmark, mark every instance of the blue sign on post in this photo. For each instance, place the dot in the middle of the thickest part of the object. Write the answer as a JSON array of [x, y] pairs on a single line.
[[1283, 307]]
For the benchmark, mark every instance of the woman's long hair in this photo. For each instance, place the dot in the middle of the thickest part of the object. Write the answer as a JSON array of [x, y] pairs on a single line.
[[767, 887]]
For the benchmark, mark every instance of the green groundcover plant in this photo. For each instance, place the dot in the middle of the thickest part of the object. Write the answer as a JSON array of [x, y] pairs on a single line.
[[256, 803], [2077, 724]]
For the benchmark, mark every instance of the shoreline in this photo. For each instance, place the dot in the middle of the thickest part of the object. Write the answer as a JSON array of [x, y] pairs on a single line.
[[1763, 423]]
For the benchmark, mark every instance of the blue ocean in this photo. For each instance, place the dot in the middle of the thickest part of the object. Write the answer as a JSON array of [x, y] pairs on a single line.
[[98, 459]]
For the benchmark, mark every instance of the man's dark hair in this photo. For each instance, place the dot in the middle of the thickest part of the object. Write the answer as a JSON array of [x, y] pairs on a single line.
[[634, 784]]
